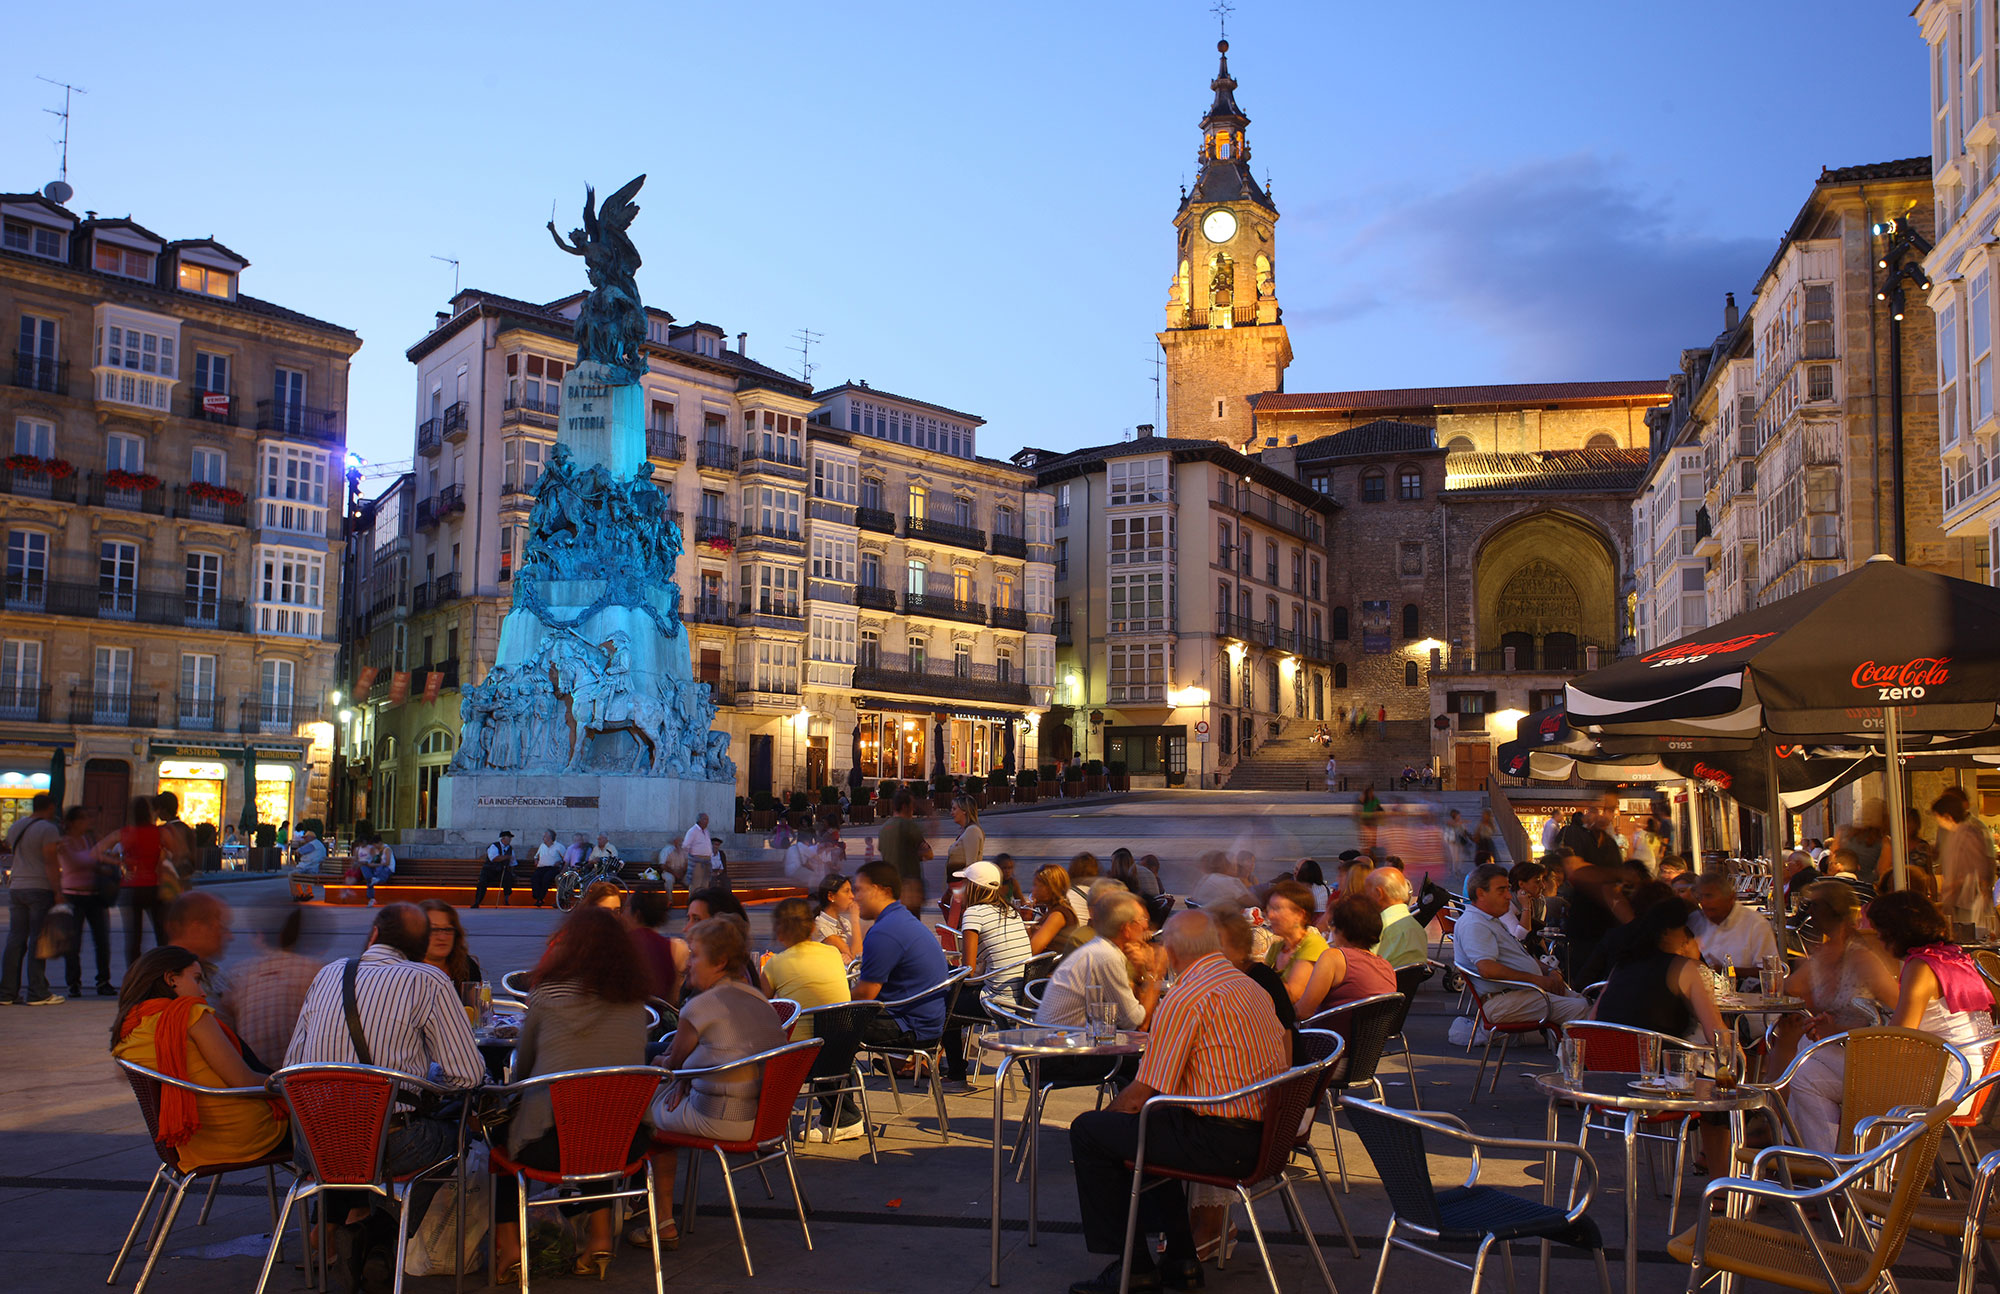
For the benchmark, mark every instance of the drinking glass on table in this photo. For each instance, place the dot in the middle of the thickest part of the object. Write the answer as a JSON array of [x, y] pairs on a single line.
[[1569, 1055], [1649, 1057], [1100, 1021], [1677, 1068], [478, 1000], [1773, 966], [1728, 1061]]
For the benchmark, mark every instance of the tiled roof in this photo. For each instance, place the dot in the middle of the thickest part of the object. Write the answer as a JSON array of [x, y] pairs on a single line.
[[1620, 470], [860, 389], [1451, 397], [1908, 168], [1383, 436]]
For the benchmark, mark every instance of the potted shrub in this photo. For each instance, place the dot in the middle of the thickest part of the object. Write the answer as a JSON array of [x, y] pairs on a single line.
[[860, 808], [1093, 775], [1026, 786], [976, 788], [763, 811], [1072, 780], [800, 814], [829, 805], [885, 798], [1121, 778], [742, 814]]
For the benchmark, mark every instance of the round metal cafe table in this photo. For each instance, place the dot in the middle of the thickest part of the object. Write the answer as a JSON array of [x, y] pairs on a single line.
[[1030, 1047]]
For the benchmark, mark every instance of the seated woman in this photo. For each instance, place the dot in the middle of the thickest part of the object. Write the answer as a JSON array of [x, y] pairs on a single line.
[[1354, 972], [447, 949], [837, 912], [1657, 982], [1844, 979], [724, 1021], [1062, 927], [1939, 991], [165, 1024], [1297, 949], [993, 940], [804, 970], [586, 1010], [664, 958]]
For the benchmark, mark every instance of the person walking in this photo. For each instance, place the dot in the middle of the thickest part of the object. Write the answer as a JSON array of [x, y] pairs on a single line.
[[699, 849], [32, 894], [903, 845], [499, 866], [1332, 773], [82, 889], [139, 846], [548, 859], [970, 847]]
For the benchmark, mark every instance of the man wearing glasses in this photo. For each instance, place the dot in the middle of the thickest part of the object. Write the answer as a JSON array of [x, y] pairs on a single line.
[[1514, 985]]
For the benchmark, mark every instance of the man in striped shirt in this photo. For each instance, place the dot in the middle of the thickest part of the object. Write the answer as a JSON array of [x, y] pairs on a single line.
[[1213, 1032], [411, 1021]]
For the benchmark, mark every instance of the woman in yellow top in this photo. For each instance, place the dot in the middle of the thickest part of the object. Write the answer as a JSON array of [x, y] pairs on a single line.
[[1299, 951], [165, 1024], [804, 970]]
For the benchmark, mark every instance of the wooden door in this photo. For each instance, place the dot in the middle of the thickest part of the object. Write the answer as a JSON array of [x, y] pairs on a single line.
[[1472, 763], [107, 793]]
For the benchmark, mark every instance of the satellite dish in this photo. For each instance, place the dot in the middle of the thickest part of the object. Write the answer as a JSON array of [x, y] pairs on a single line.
[[58, 191]]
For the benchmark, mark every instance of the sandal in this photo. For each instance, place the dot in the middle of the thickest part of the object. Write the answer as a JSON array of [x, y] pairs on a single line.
[[510, 1274], [593, 1264], [670, 1235]]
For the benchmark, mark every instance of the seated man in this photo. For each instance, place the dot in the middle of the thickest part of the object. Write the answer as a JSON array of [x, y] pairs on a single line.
[[1125, 961], [410, 1020], [1404, 943], [1213, 1032], [1504, 972], [900, 958], [1730, 933]]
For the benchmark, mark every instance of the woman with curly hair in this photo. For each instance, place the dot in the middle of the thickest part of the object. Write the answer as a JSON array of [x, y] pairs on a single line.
[[447, 949]]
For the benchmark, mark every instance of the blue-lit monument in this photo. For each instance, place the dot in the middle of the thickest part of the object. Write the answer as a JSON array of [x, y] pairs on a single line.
[[591, 718]]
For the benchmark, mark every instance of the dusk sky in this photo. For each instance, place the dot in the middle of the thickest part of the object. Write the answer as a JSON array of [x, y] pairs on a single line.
[[973, 204]]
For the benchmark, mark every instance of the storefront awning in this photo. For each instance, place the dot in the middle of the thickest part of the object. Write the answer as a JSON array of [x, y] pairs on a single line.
[[945, 708], [266, 751]]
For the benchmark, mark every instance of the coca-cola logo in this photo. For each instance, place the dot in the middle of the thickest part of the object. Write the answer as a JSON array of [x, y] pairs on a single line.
[[1908, 681], [1713, 776], [1551, 726], [1689, 653]]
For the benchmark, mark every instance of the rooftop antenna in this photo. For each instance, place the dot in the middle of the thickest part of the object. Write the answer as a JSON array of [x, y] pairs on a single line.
[[806, 337], [453, 262], [1159, 357], [59, 190]]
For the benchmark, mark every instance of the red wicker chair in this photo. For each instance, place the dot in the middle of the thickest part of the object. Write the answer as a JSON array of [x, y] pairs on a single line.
[[785, 1069]]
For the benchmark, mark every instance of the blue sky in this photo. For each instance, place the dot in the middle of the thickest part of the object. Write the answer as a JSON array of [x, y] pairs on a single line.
[[972, 204]]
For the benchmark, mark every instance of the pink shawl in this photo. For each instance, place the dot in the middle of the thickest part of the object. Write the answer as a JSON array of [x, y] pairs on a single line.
[[1964, 988]]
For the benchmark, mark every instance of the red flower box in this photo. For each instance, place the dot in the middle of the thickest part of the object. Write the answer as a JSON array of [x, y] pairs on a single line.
[[119, 479], [215, 493], [30, 465], [718, 544]]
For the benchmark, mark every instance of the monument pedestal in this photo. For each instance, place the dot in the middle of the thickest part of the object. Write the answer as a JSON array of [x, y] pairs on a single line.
[[480, 805]]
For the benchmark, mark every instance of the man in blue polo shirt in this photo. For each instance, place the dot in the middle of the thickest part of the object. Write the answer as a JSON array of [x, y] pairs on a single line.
[[900, 958]]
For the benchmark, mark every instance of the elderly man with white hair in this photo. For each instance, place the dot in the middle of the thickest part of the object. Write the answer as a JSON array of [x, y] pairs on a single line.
[[1403, 943]]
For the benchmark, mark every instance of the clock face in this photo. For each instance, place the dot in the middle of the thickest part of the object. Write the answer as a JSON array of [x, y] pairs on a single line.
[[1219, 226]]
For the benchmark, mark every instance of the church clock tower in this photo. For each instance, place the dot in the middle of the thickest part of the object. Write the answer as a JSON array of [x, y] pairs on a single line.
[[1224, 339]]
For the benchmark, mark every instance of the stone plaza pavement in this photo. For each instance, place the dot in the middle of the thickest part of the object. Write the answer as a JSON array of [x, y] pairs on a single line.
[[74, 1162]]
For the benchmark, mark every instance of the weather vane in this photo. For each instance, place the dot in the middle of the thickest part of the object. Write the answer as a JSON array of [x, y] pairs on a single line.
[[1222, 10]]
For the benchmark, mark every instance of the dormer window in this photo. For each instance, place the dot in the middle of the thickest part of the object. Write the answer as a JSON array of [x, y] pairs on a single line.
[[207, 280], [128, 262], [36, 240]]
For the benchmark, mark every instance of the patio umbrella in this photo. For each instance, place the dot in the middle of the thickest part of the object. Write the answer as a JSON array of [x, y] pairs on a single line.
[[58, 781], [854, 763], [1007, 746], [246, 821], [1874, 654]]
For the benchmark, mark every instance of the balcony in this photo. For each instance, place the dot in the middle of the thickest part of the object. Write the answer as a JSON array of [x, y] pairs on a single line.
[[771, 613], [721, 690], [24, 702], [519, 409], [41, 373], [1219, 316], [450, 500], [39, 485], [139, 606], [1010, 618], [1062, 514], [455, 421], [890, 672], [1009, 546], [275, 715], [1293, 521], [1042, 553], [420, 597], [301, 422], [711, 529], [829, 591], [774, 461], [204, 508], [841, 514], [783, 538], [876, 519], [198, 713], [875, 596], [665, 446], [444, 589], [513, 494], [944, 532], [709, 610], [1244, 629], [1316, 649], [1063, 638], [772, 691], [715, 456], [100, 493], [1553, 658], [114, 709], [211, 406], [427, 513], [943, 606], [428, 438]]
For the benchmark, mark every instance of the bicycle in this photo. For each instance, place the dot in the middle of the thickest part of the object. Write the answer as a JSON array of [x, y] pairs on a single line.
[[572, 881]]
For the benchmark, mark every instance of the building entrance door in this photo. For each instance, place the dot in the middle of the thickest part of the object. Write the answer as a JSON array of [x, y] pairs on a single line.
[[107, 793], [1472, 765], [816, 756], [760, 763]]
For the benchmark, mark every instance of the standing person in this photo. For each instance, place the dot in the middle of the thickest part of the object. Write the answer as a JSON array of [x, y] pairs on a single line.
[[1866, 835], [1965, 866], [970, 846], [699, 849], [32, 894], [138, 844], [1483, 836], [548, 859], [499, 866], [903, 845], [263, 997], [81, 873], [1332, 773], [1213, 1032], [176, 841], [1551, 831]]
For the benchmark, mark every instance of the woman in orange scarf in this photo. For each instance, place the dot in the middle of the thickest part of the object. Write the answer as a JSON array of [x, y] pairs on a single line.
[[165, 1024]]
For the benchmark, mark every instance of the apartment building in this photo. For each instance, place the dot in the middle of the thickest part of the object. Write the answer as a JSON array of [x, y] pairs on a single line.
[[169, 506]]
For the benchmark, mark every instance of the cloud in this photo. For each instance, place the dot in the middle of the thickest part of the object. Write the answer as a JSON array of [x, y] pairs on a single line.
[[1568, 270]]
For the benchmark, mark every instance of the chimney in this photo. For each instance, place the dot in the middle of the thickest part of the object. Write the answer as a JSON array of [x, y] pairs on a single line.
[[743, 343], [1145, 431], [1729, 314], [443, 318]]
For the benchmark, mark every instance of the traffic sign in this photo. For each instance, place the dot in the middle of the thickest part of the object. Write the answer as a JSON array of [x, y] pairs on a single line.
[[1201, 727]]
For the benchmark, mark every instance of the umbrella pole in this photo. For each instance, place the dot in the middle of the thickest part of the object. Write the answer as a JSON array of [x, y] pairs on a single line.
[[1694, 825], [1892, 771], [1774, 832]]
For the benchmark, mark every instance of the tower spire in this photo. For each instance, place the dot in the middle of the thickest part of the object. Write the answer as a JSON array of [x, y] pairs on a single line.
[[1225, 146]]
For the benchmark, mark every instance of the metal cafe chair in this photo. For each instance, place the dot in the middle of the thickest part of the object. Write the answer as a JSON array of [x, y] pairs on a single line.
[[1504, 1031], [925, 1054], [147, 1085], [1614, 1049], [835, 1073], [1364, 1027]]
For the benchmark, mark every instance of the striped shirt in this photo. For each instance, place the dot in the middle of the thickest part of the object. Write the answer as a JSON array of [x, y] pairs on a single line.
[[410, 1016], [1003, 940], [1214, 1032]]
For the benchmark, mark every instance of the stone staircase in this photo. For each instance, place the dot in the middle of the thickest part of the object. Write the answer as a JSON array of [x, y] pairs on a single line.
[[1293, 761]]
